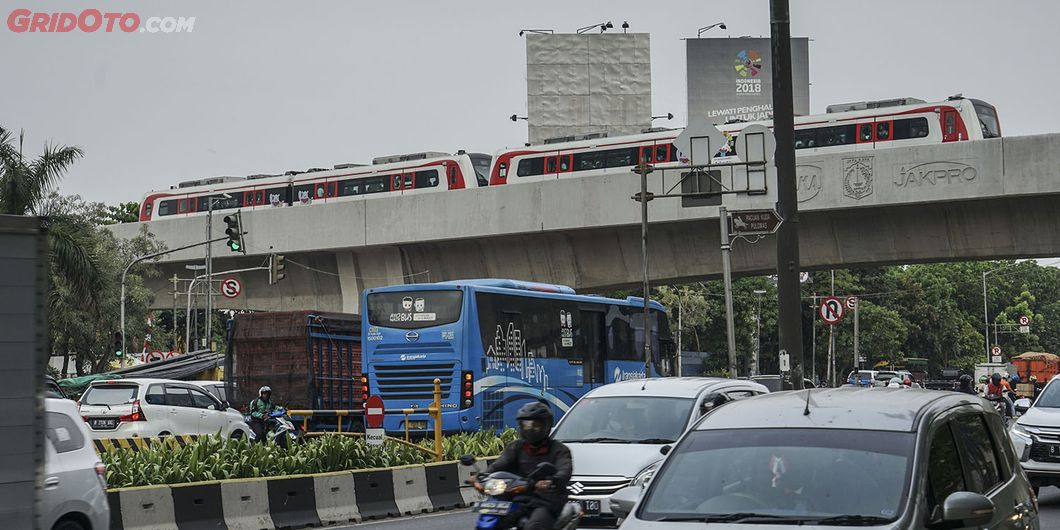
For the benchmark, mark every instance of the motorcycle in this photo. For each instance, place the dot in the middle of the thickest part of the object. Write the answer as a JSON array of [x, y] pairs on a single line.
[[505, 506], [280, 429], [1001, 406]]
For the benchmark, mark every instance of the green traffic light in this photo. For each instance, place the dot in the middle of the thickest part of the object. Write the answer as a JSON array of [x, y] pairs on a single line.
[[117, 354], [234, 245]]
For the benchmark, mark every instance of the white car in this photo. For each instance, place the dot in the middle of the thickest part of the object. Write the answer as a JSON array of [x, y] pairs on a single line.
[[74, 493], [217, 388], [126, 408]]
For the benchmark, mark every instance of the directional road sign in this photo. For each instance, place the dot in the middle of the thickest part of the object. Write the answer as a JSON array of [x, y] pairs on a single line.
[[700, 141], [753, 222], [831, 310], [231, 287]]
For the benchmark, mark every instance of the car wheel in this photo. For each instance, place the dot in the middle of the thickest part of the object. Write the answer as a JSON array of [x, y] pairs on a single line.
[[68, 524], [164, 433]]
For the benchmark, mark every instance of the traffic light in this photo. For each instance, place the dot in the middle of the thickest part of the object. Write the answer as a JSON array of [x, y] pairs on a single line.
[[235, 232], [117, 344], [277, 266]]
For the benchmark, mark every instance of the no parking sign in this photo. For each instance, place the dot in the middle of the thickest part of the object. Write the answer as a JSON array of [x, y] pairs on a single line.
[[231, 287]]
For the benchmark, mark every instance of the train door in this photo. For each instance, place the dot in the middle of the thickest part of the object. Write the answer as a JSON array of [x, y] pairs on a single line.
[[950, 127], [593, 348], [866, 136], [558, 165], [883, 130]]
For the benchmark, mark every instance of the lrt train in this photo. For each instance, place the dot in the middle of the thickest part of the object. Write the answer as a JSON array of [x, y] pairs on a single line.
[[387, 176], [847, 127]]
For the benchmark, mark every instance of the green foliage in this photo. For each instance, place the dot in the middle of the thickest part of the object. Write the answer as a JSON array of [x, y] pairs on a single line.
[[217, 458]]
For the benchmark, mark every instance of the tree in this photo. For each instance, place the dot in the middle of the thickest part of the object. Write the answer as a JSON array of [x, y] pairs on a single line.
[[24, 186], [126, 212]]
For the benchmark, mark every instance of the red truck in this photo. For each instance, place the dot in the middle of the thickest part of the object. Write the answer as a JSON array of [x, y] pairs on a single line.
[[1043, 366]]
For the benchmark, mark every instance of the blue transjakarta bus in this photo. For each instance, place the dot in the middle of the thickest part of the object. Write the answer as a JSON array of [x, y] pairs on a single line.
[[498, 344]]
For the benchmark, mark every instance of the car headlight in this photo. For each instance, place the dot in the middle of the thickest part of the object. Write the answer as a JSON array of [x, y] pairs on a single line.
[[495, 487], [645, 475], [1022, 432]]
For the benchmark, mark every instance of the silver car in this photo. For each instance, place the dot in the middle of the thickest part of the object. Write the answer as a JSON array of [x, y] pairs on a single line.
[[1036, 436], [74, 493], [615, 432], [908, 458]]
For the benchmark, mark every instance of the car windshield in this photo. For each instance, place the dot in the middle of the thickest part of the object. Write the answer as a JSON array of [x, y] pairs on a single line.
[[1050, 397], [625, 420], [798, 474], [109, 395]]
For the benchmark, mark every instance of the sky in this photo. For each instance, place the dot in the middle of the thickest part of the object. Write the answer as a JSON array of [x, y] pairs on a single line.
[[266, 86]]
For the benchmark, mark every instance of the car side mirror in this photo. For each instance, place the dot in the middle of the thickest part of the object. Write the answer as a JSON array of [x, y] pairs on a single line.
[[226, 405], [665, 450], [211, 407], [1022, 405], [967, 509], [624, 500]]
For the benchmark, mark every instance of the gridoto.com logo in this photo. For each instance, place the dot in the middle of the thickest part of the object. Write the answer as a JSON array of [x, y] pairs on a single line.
[[748, 63], [93, 20]]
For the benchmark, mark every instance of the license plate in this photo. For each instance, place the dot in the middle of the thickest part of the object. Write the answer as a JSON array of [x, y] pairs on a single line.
[[1054, 450], [591, 507], [493, 507], [103, 423], [417, 425]]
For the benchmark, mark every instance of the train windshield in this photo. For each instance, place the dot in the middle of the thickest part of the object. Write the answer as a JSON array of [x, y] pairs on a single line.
[[482, 167], [987, 119]]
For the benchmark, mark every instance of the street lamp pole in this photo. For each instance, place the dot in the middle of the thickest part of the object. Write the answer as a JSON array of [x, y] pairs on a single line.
[[986, 318], [644, 168]]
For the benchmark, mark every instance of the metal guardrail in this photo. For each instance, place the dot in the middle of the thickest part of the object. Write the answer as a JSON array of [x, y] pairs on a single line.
[[434, 411]]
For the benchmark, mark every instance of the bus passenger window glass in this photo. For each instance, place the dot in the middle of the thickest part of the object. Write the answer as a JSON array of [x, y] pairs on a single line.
[[531, 167], [883, 131], [866, 132], [588, 161], [414, 309], [550, 165], [621, 157], [427, 179], [661, 154], [167, 207], [806, 138]]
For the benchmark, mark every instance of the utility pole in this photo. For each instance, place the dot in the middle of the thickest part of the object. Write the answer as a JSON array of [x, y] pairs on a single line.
[[209, 267], [173, 343], [790, 317], [726, 271], [644, 168]]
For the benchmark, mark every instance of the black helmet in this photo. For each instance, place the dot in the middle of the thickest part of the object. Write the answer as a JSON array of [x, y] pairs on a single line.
[[965, 380], [996, 378], [535, 421]]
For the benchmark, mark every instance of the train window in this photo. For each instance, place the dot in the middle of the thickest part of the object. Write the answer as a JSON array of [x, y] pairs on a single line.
[[951, 122], [408, 181], [910, 128], [806, 138], [167, 207], [883, 131], [550, 164], [621, 157], [182, 206], [278, 196], [349, 187], [374, 185], [865, 134], [837, 135], [426, 179], [661, 154], [531, 167], [564, 162], [587, 161], [451, 170], [303, 193], [395, 183]]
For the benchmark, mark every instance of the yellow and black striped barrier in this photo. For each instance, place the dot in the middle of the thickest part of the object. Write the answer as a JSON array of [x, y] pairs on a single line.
[[110, 445]]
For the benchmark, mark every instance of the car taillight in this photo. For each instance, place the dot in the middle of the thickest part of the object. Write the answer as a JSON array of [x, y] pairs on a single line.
[[467, 385], [101, 472], [137, 414]]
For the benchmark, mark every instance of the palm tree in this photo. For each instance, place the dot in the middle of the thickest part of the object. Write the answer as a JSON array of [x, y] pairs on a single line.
[[23, 190]]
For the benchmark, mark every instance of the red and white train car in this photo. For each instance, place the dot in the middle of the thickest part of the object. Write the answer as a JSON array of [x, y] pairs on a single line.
[[850, 127], [387, 176]]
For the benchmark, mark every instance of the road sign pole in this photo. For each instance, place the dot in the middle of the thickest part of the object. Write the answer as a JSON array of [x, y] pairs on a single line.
[[790, 317], [857, 352], [726, 267]]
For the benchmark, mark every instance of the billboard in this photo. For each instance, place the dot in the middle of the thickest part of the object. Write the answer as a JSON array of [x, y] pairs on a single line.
[[733, 78]]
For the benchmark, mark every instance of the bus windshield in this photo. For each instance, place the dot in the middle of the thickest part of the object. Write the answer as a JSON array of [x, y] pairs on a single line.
[[414, 309]]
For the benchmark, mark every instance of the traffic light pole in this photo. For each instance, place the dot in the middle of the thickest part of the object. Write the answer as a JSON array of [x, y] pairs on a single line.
[[209, 270], [147, 257]]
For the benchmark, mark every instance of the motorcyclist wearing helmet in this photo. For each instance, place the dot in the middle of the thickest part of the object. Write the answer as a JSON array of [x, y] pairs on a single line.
[[964, 384], [260, 409], [533, 448]]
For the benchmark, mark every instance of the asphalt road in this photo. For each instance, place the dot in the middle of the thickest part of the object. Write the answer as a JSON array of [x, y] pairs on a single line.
[[1048, 503]]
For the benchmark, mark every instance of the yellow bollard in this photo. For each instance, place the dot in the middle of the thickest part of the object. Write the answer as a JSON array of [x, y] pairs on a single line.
[[436, 413]]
